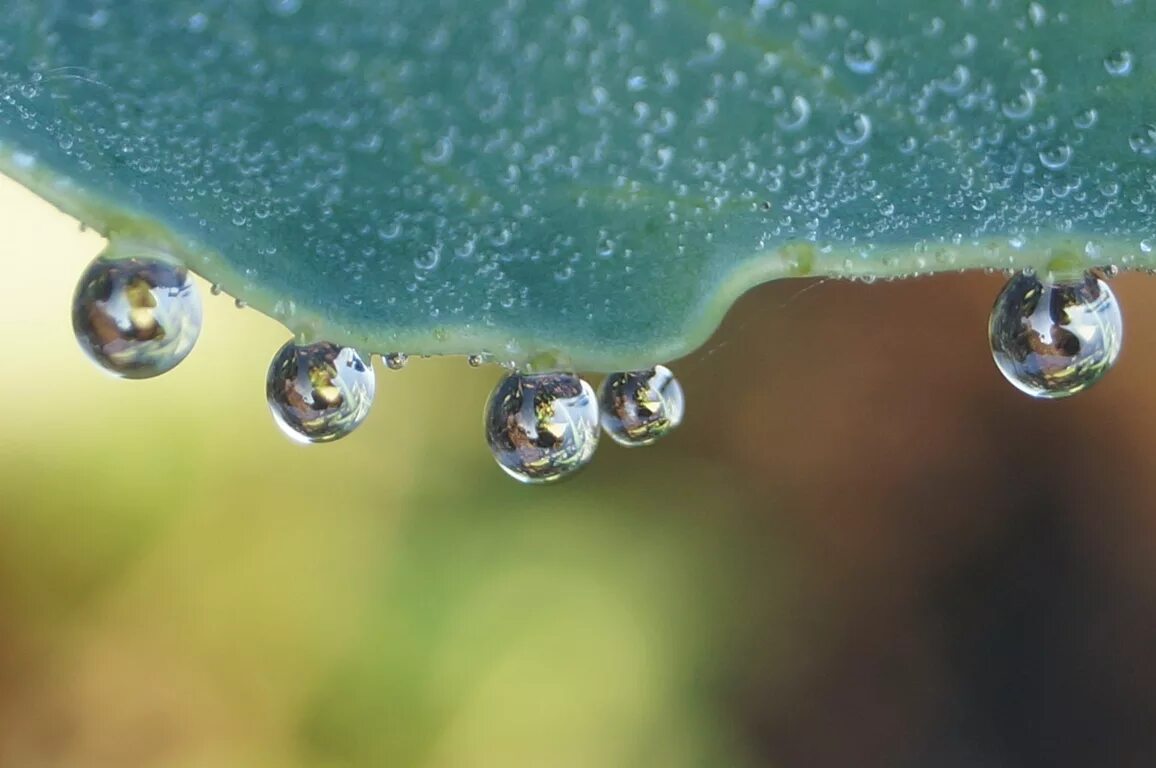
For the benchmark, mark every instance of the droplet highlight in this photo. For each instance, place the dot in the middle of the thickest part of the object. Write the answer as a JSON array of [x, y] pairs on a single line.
[[319, 392], [1055, 338], [136, 318], [542, 427], [639, 407]]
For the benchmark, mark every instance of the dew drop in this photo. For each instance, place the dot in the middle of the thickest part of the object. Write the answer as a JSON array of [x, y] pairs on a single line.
[[319, 392], [395, 361], [1053, 339], [639, 407], [475, 361], [1118, 63], [862, 54], [1143, 140], [136, 318], [542, 427], [1056, 158], [854, 129]]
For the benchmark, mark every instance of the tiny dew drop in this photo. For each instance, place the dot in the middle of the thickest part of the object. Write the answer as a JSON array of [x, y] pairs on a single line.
[[542, 427], [639, 407], [1056, 158], [475, 361], [319, 392], [395, 361], [136, 318], [854, 129], [862, 54], [1055, 338], [1143, 140], [1118, 63]]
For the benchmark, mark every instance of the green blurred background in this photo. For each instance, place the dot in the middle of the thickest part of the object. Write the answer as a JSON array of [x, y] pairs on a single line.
[[862, 549]]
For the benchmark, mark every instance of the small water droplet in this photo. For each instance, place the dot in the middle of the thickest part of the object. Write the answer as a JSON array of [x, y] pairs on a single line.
[[1143, 140], [796, 115], [1052, 339], [854, 129], [319, 392], [639, 407], [862, 54], [1057, 157], [395, 361], [542, 427], [1086, 118], [136, 318], [240, 303], [1118, 63], [475, 361]]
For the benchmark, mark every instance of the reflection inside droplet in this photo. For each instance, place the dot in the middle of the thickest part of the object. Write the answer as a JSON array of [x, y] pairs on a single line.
[[1055, 339]]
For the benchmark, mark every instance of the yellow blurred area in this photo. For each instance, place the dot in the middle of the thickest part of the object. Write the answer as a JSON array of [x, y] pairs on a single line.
[[862, 548], [182, 586]]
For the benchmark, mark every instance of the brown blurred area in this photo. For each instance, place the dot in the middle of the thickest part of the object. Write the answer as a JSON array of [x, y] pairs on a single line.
[[863, 548], [978, 584]]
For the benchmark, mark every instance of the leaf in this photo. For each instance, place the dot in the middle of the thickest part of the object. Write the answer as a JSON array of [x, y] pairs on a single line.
[[586, 181]]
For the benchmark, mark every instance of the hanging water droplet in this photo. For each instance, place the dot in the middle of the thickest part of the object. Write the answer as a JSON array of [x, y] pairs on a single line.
[[319, 392], [1052, 339], [542, 427], [136, 318], [1118, 63], [639, 407], [395, 361], [475, 361]]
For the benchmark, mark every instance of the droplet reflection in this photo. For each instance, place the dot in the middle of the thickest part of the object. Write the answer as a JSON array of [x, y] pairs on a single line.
[[1055, 339], [320, 392], [542, 427], [136, 318]]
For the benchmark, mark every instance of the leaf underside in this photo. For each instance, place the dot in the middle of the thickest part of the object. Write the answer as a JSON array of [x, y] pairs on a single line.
[[591, 182]]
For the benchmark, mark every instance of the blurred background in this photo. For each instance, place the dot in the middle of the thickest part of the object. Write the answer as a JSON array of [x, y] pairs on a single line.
[[863, 548]]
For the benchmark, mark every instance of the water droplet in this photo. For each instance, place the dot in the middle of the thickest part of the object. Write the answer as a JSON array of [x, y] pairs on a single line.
[[1143, 140], [639, 407], [1052, 339], [1118, 63], [862, 54], [475, 361], [796, 115], [1056, 158], [854, 129], [395, 361], [136, 318], [319, 392], [542, 427]]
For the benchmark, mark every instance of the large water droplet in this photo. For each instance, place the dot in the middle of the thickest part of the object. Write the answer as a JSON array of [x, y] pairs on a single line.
[[542, 427], [639, 407], [136, 318], [319, 392], [1052, 339]]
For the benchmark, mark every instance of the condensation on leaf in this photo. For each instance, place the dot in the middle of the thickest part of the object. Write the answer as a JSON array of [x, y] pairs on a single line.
[[590, 178]]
